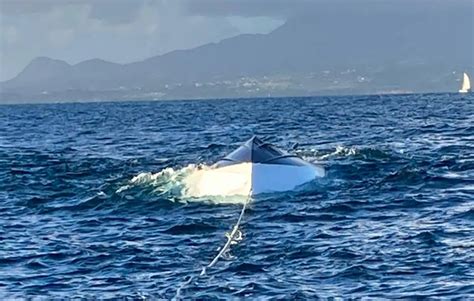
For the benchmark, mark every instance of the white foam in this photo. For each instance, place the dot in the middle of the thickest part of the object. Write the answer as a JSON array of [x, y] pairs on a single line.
[[179, 183], [314, 156]]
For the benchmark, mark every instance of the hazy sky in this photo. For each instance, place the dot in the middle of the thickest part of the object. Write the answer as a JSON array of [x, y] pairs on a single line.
[[130, 30], [116, 30]]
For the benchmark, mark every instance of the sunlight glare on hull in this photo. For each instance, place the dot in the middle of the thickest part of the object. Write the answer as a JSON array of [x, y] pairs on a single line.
[[254, 168]]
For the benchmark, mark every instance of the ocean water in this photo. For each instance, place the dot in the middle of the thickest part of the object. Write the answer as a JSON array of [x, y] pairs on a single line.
[[92, 201]]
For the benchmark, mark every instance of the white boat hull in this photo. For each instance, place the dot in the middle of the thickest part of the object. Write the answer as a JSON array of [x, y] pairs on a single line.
[[250, 179]]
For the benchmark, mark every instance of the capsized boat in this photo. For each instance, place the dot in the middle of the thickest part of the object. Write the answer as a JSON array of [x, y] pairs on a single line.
[[255, 167], [466, 84]]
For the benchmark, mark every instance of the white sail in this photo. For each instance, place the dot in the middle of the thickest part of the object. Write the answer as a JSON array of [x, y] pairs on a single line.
[[466, 84]]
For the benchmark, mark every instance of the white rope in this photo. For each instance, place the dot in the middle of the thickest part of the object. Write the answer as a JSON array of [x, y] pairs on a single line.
[[231, 239]]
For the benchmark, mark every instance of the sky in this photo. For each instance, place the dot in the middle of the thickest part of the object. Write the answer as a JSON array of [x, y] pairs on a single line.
[[125, 31], [120, 31]]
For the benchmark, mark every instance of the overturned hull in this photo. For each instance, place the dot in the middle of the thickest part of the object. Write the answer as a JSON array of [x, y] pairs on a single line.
[[254, 168]]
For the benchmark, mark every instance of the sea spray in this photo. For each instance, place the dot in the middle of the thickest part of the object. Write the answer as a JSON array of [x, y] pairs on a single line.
[[179, 183]]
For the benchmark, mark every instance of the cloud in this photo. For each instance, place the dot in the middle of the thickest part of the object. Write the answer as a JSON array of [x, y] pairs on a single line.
[[118, 12], [109, 11], [250, 8], [19, 7], [119, 31]]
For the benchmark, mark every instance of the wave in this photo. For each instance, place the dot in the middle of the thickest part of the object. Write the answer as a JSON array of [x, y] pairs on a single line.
[[346, 152], [315, 155], [167, 180]]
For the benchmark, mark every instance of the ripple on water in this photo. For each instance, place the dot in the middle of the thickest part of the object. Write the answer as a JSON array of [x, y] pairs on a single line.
[[94, 205]]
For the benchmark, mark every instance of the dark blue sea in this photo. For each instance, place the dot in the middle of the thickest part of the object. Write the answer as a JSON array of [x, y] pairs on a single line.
[[92, 202]]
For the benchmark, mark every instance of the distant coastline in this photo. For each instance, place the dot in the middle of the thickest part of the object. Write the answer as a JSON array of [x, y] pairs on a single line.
[[255, 98], [298, 58]]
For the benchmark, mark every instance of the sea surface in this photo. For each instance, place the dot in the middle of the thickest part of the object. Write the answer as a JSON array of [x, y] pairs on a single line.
[[93, 205]]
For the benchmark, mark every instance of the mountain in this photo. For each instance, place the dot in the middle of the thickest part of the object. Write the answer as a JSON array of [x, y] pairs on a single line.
[[424, 49]]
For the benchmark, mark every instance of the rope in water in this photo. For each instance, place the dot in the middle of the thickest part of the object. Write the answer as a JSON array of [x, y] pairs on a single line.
[[231, 238]]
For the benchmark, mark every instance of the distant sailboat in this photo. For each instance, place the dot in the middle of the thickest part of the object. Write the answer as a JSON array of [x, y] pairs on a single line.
[[466, 84]]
